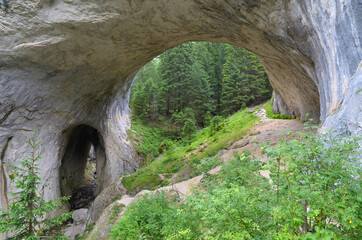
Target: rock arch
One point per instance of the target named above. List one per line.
(72, 171)
(63, 63)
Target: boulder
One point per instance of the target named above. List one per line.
(239, 144)
(73, 231)
(80, 215)
(110, 194)
(229, 144)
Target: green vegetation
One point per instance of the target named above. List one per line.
(244, 80)
(313, 193)
(314, 187)
(268, 106)
(148, 138)
(26, 217)
(116, 210)
(208, 163)
(189, 128)
(207, 79)
(187, 88)
(174, 159)
(215, 124)
(316, 181)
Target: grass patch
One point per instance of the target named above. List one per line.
(173, 160)
(268, 106)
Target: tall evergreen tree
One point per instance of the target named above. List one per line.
(144, 94)
(174, 68)
(199, 92)
(244, 80)
(217, 51)
(211, 57)
(231, 97)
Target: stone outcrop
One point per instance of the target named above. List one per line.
(70, 63)
(347, 118)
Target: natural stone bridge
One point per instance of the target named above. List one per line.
(66, 67)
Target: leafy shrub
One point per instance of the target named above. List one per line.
(143, 218)
(157, 216)
(208, 163)
(317, 185)
(165, 145)
(215, 124)
(233, 203)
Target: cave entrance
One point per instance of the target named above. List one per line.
(82, 166)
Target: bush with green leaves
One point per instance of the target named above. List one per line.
(27, 214)
(142, 219)
(232, 203)
(208, 163)
(155, 216)
(215, 124)
(317, 186)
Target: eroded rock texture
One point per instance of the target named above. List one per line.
(69, 63)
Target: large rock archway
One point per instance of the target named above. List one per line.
(65, 63)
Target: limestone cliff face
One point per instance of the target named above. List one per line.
(67, 63)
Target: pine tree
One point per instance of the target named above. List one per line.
(26, 217)
(214, 71)
(179, 118)
(244, 80)
(231, 97)
(144, 94)
(137, 101)
(174, 68)
(199, 93)
(189, 128)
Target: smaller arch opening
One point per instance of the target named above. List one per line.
(81, 170)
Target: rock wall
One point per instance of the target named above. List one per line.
(65, 63)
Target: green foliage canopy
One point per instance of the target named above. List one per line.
(210, 78)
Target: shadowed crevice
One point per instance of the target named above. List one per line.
(75, 180)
